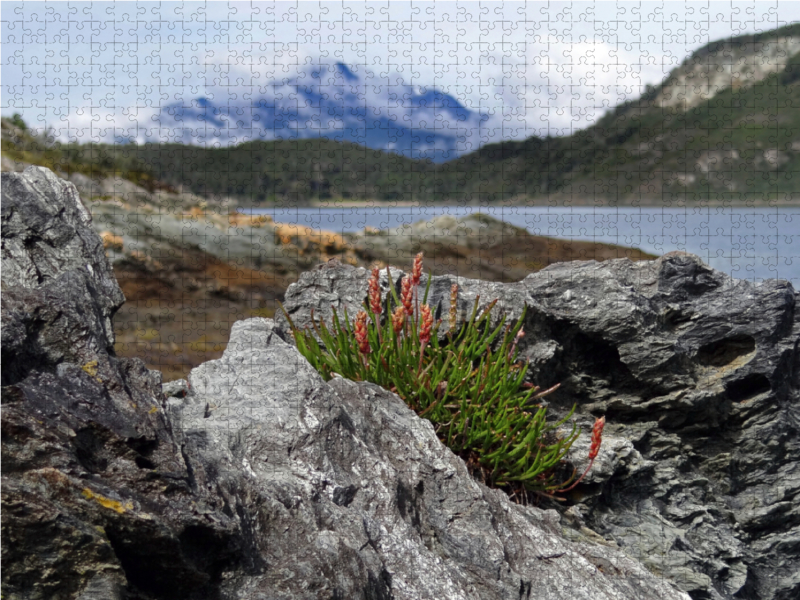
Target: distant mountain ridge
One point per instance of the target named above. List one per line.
(723, 127)
(334, 102)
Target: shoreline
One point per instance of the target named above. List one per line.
(531, 204)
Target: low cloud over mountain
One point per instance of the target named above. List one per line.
(337, 102)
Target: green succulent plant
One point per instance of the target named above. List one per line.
(469, 385)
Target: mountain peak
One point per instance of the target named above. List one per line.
(345, 72)
(334, 101)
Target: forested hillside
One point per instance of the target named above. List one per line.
(724, 126)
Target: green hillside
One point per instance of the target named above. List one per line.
(737, 146)
(741, 145)
(286, 171)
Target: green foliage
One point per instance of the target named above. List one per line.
(16, 121)
(288, 171)
(96, 161)
(469, 386)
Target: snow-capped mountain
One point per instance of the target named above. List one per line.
(337, 102)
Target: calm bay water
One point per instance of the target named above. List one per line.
(746, 243)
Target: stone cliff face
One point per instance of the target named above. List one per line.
(257, 479)
(736, 64)
(98, 498)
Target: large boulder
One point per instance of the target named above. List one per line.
(98, 499)
(698, 376)
(256, 479)
(349, 494)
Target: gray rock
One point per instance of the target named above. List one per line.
(256, 479)
(59, 293)
(698, 376)
(353, 496)
(175, 389)
(97, 498)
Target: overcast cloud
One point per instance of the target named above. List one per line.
(100, 71)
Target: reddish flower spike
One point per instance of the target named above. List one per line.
(427, 323)
(416, 271)
(398, 319)
(453, 305)
(597, 437)
(407, 296)
(361, 333)
(375, 293)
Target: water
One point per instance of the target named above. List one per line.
(746, 243)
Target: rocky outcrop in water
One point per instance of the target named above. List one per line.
(478, 245)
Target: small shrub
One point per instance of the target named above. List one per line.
(475, 397)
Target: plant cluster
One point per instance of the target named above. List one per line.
(469, 385)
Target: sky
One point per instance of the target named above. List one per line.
(99, 71)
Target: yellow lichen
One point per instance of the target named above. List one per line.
(91, 368)
(115, 242)
(153, 410)
(107, 502)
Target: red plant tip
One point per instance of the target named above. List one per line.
(361, 332)
(453, 305)
(398, 319)
(520, 334)
(427, 323)
(416, 272)
(407, 295)
(597, 437)
(375, 292)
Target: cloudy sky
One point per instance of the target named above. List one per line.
(103, 71)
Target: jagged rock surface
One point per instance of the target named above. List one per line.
(98, 499)
(351, 495)
(258, 480)
(698, 376)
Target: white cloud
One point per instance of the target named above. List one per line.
(532, 68)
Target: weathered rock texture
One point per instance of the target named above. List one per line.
(258, 481)
(98, 501)
(698, 376)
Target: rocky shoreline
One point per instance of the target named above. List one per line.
(190, 268)
(254, 478)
